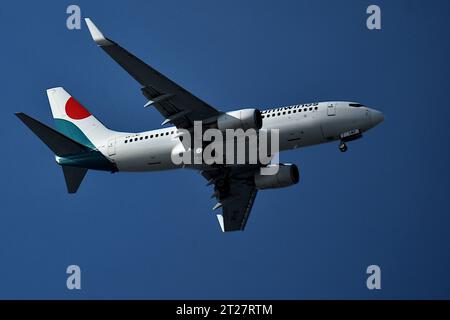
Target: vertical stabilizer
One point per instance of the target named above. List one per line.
(75, 121)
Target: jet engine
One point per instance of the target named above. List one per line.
(240, 119)
(287, 175)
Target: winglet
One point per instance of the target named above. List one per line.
(96, 34)
(220, 218)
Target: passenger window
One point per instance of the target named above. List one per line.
(156, 135)
(151, 136)
(141, 138)
(135, 139)
(146, 137)
(126, 141)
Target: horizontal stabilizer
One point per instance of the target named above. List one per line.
(73, 176)
(56, 141)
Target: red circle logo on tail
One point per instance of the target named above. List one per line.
(75, 110)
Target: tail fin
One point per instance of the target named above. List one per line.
(75, 121)
(61, 146)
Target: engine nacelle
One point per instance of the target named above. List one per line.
(287, 175)
(240, 119)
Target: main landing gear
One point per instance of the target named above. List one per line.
(343, 146)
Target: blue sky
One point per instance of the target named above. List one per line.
(154, 236)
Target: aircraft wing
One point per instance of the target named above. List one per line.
(177, 105)
(235, 196)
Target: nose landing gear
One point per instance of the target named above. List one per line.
(351, 135)
(343, 146)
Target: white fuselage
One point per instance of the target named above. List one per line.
(298, 125)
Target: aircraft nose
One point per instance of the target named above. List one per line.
(376, 116)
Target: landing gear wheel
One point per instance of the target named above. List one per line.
(343, 147)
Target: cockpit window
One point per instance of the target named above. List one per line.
(356, 105)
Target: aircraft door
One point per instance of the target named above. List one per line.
(112, 147)
(331, 109)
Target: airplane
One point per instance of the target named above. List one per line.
(81, 142)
